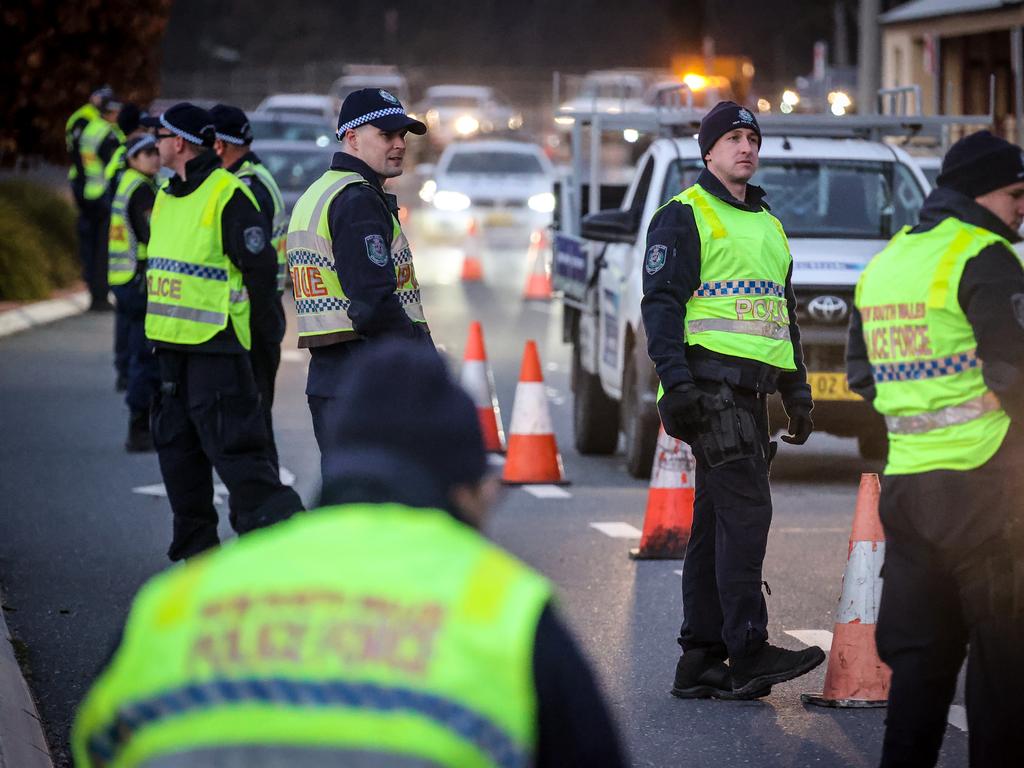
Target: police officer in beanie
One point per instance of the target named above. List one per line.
(937, 345)
(720, 316)
(351, 264)
(233, 146)
(212, 279)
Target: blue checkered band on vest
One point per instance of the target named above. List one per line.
(309, 259)
(192, 270)
(184, 134)
(740, 288)
(356, 122)
(485, 735)
(327, 304)
(926, 369)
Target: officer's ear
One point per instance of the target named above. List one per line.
(350, 139)
(219, 147)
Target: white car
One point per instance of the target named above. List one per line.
(497, 183)
(386, 79)
(609, 91)
(930, 166)
(464, 111)
(318, 105)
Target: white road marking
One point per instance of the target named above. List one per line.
(810, 530)
(551, 366)
(679, 572)
(618, 530)
(220, 491)
(819, 637)
(958, 717)
(495, 460)
(547, 492)
(294, 356)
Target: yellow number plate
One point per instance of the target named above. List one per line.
(499, 219)
(830, 386)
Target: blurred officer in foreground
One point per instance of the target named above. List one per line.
(382, 629)
(937, 345)
(720, 316)
(212, 284)
(234, 136)
(126, 273)
(97, 145)
(350, 262)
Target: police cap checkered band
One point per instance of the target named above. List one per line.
(231, 124)
(182, 132)
(186, 120)
(368, 118)
(378, 107)
(140, 143)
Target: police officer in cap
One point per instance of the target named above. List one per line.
(937, 345)
(351, 265)
(234, 139)
(720, 316)
(212, 278)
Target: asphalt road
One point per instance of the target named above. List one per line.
(76, 541)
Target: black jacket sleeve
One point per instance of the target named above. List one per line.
(108, 148)
(858, 367)
(991, 294)
(793, 385)
(139, 209)
(247, 244)
(668, 287)
(263, 199)
(574, 725)
(360, 224)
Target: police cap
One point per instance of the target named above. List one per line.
(186, 120)
(379, 108)
(231, 124)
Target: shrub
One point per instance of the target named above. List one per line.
(38, 243)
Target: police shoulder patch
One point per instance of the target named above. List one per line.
(376, 249)
(255, 239)
(656, 256)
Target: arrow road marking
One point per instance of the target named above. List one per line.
(220, 491)
(819, 637)
(617, 530)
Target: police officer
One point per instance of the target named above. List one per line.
(234, 137)
(321, 642)
(720, 316)
(211, 276)
(126, 272)
(937, 345)
(352, 269)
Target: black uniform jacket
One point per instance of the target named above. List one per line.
(991, 294)
(264, 199)
(664, 306)
(140, 205)
(357, 216)
(258, 267)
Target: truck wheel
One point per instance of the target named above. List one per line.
(595, 416)
(639, 425)
(873, 446)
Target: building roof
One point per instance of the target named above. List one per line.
(929, 9)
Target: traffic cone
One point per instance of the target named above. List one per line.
(538, 282)
(478, 380)
(472, 269)
(533, 455)
(669, 514)
(856, 677)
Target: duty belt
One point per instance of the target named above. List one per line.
(765, 328)
(944, 417)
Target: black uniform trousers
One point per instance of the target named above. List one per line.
(207, 415)
(953, 585)
(140, 366)
(328, 367)
(93, 239)
(266, 359)
(723, 607)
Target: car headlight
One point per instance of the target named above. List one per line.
(543, 202)
(446, 200)
(427, 190)
(466, 125)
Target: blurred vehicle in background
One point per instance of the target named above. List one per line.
(284, 126)
(606, 90)
(497, 183)
(930, 166)
(463, 111)
(314, 104)
(359, 76)
(294, 165)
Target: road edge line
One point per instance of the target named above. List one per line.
(44, 312)
(22, 741)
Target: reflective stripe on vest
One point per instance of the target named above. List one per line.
(320, 300)
(938, 410)
(194, 288)
(72, 139)
(124, 247)
(96, 178)
(279, 228)
(225, 657)
(739, 308)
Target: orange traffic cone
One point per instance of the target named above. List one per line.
(538, 283)
(472, 269)
(669, 514)
(533, 455)
(856, 677)
(478, 380)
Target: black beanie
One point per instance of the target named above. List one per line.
(128, 119)
(725, 116)
(981, 163)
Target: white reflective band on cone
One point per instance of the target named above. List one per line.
(674, 465)
(474, 381)
(530, 416)
(862, 584)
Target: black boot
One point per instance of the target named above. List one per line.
(702, 674)
(771, 665)
(139, 438)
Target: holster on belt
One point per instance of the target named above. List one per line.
(730, 432)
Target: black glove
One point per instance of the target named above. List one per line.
(800, 424)
(682, 411)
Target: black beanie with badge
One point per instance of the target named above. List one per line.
(725, 116)
(981, 163)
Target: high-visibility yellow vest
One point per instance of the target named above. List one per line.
(739, 309)
(280, 217)
(923, 353)
(86, 112)
(342, 651)
(193, 286)
(96, 178)
(124, 247)
(320, 300)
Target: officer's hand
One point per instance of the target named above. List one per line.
(682, 411)
(800, 424)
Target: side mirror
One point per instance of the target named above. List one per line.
(614, 226)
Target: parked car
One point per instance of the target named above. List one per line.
(368, 76)
(930, 166)
(294, 165)
(315, 104)
(463, 111)
(284, 126)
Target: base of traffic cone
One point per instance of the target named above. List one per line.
(668, 540)
(537, 455)
(819, 700)
(472, 271)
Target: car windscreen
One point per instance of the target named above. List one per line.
(467, 102)
(293, 110)
(294, 169)
(494, 163)
(827, 198)
(286, 130)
